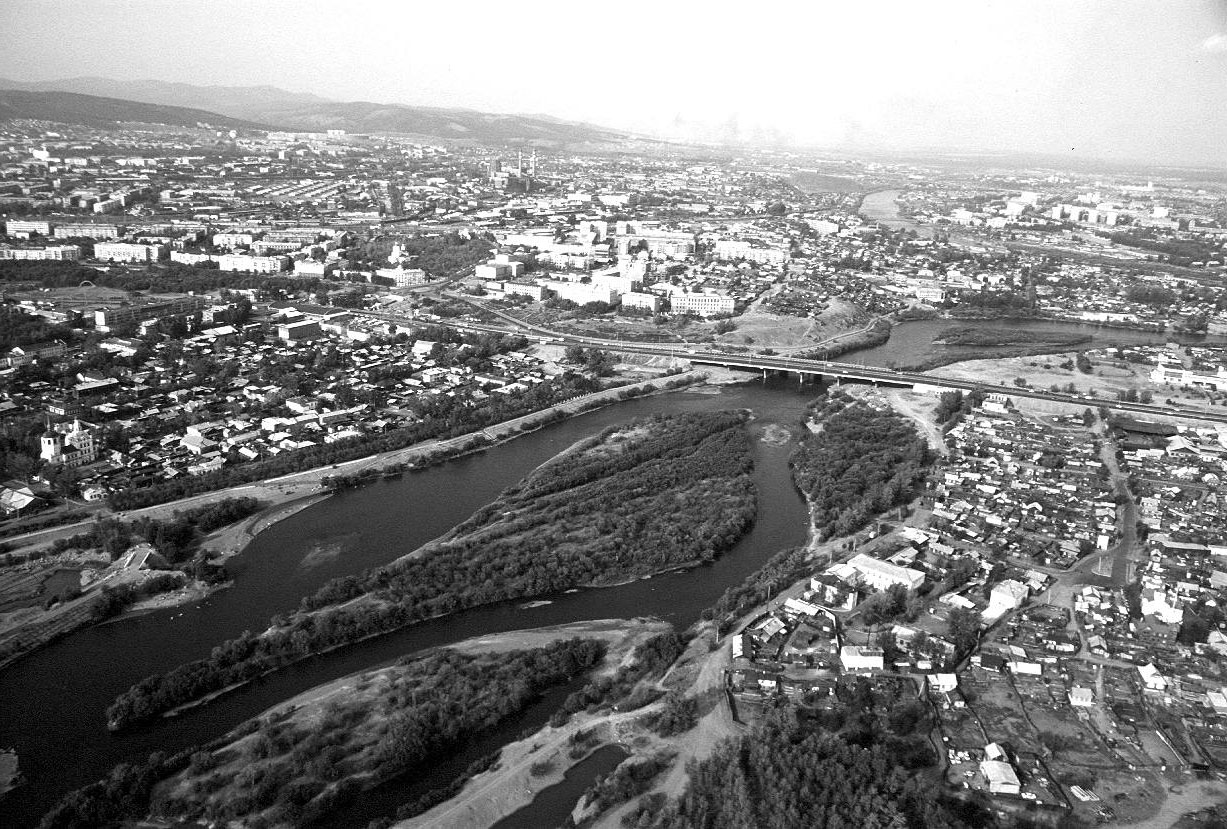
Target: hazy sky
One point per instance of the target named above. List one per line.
(1101, 78)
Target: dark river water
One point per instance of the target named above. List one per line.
(52, 703)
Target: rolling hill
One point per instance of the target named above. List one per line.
(92, 110)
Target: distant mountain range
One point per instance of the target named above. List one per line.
(93, 100)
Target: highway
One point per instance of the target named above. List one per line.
(801, 366)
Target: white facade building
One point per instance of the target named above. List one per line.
(881, 575)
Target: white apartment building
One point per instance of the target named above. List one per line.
(737, 249)
(185, 258)
(881, 575)
(404, 277)
(87, 230)
(649, 302)
(233, 240)
(253, 264)
(582, 293)
(56, 252)
(705, 305)
(127, 252)
(15, 226)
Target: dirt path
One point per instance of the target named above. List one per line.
(919, 407)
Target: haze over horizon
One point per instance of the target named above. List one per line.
(1126, 81)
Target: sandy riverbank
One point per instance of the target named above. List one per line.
(542, 759)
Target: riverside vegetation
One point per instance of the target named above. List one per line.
(292, 768)
(661, 493)
(862, 462)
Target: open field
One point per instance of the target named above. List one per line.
(1047, 370)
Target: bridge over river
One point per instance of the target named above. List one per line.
(805, 367)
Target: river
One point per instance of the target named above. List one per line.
(53, 701)
(911, 343)
(881, 207)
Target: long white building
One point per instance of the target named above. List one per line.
(881, 575)
(253, 264)
(56, 252)
(705, 305)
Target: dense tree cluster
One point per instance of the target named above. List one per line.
(447, 255)
(971, 335)
(175, 538)
(670, 491)
(294, 774)
(168, 278)
(952, 406)
(19, 328)
(1003, 303)
(789, 773)
(862, 462)
(122, 795)
(630, 778)
(680, 714)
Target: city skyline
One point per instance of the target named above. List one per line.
(1085, 81)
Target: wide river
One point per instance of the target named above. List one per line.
(52, 703)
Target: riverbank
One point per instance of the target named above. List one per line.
(353, 710)
(540, 760)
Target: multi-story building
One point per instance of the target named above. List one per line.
(300, 330)
(253, 264)
(20, 355)
(705, 305)
(633, 299)
(581, 293)
(108, 318)
(87, 230)
(881, 575)
(403, 277)
(15, 226)
(57, 252)
(310, 267)
(126, 252)
(736, 249)
(69, 444)
(1180, 376)
(185, 258)
(233, 240)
